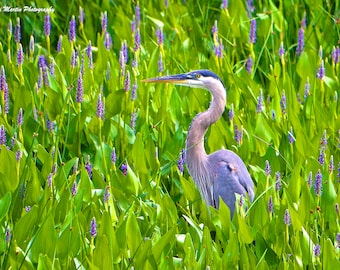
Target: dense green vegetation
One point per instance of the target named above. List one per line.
(90, 157)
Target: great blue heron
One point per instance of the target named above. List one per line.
(222, 173)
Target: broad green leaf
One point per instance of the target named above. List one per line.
(44, 241)
(26, 227)
(134, 237)
(8, 168)
(5, 203)
(167, 239)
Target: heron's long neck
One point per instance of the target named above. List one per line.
(196, 156)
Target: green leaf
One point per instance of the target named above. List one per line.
(25, 228)
(5, 203)
(44, 241)
(138, 153)
(8, 168)
(134, 237)
(167, 239)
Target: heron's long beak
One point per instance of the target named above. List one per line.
(176, 79)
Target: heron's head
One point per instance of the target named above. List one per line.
(196, 79)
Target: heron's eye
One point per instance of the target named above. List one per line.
(197, 76)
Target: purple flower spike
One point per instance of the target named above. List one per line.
(238, 134)
(89, 54)
(224, 4)
(107, 194)
(301, 42)
(74, 189)
(321, 157)
(73, 59)
(317, 250)
(214, 30)
(93, 228)
(291, 137)
(80, 90)
(17, 31)
(133, 26)
(321, 72)
(104, 22)
(59, 44)
(20, 118)
(6, 99)
(3, 81)
(50, 125)
(75, 166)
(277, 181)
(51, 67)
(72, 31)
(180, 162)
(135, 62)
(47, 25)
(270, 205)
(124, 168)
(20, 55)
(336, 55)
(113, 156)
(3, 139)
(18, 155)
(81, 16)
(337, 239)
(88, 168)
(281, 50)
(160, 36)
(134, 91)
(42, 61)
(318, 183)
(108, 41)
(250, 8)
(127, 82)
(252, 34)
(283, 103)
(310, 179)
(286, 218)
(100, 107)
(137, 40)
(133, 120)
(249, 65)
(49, 180)
(218, 49)
(231, 112)
(323, 140)
(259, 107)
(31, 45)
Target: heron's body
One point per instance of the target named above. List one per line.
(222, 173)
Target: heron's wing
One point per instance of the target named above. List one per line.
(229, 176)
